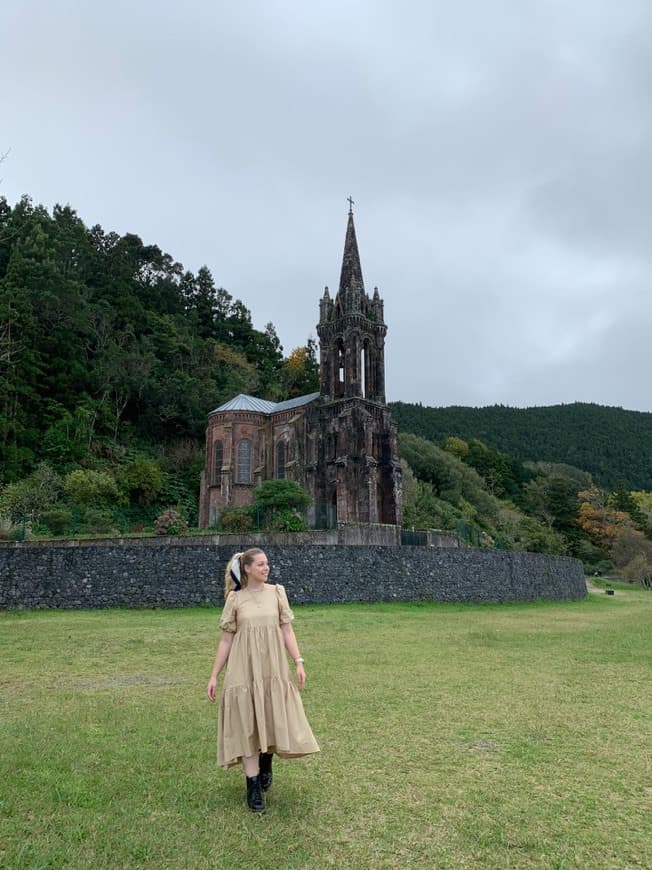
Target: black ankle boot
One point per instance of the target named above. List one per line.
(255, 799)
(265, 765)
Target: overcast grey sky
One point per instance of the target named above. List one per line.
(498, 153)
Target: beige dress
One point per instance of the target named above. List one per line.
(260, 706)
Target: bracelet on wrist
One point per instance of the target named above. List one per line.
(298, 660)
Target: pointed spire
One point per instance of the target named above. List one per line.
(351, 275)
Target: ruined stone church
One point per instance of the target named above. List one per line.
(340, 444)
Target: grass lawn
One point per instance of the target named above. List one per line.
(451, 736)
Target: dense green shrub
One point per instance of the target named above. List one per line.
(95, 521)
(236, 520)
(88, 487)
(141, 480)
(37, 492)
(281, 495)
(278, 505)
(287, 521)
(57, 521)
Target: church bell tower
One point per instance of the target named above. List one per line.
(352, 333)
(355, 476)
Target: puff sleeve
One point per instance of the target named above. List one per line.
(285, 615)
(229, 618)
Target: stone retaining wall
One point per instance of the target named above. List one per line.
(174, 572)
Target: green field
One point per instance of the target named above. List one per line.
(451, 736)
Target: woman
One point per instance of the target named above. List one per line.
(260, 708)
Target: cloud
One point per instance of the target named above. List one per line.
(498, 154)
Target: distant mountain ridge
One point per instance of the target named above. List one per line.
(613, 444)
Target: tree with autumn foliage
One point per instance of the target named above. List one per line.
(300, 374)
(615, 533)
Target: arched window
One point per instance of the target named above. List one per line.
(280, 459)
(243, 468)
(218, 454)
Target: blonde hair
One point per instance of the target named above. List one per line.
(237, 563)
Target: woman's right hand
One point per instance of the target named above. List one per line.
(211, 689)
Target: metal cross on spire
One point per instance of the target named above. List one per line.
(351, 204)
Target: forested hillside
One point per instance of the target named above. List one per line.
(570, 479)
(112, 354)
(614, 445)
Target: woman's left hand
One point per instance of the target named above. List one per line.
(301, 675)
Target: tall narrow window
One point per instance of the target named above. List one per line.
(332, 510)
(243, 470)
(280, 459)
(339, 387)
(218, 453)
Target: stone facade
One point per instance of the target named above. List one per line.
(178, 572)
(340, 444)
